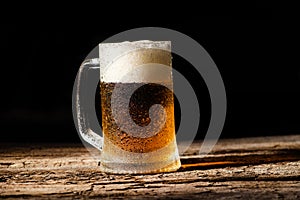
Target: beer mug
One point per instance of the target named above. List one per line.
(136, 89)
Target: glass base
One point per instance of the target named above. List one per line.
(117, 161)
(141, 168)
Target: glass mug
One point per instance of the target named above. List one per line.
(137, 104)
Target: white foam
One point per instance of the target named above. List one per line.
(113, 71)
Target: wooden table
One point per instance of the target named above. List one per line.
(249, 168)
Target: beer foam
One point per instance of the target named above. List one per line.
(130, 61)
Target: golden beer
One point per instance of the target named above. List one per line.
(140, 102)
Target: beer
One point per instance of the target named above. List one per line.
(137, 107)
(146, 95)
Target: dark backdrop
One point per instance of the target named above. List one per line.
(42, 49)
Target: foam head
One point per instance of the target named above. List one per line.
(139, 61)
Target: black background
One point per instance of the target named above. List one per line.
(42, 49)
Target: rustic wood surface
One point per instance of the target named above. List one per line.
(249, 168)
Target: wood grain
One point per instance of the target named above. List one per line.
(248, 168)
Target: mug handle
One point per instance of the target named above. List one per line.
(84, 103)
